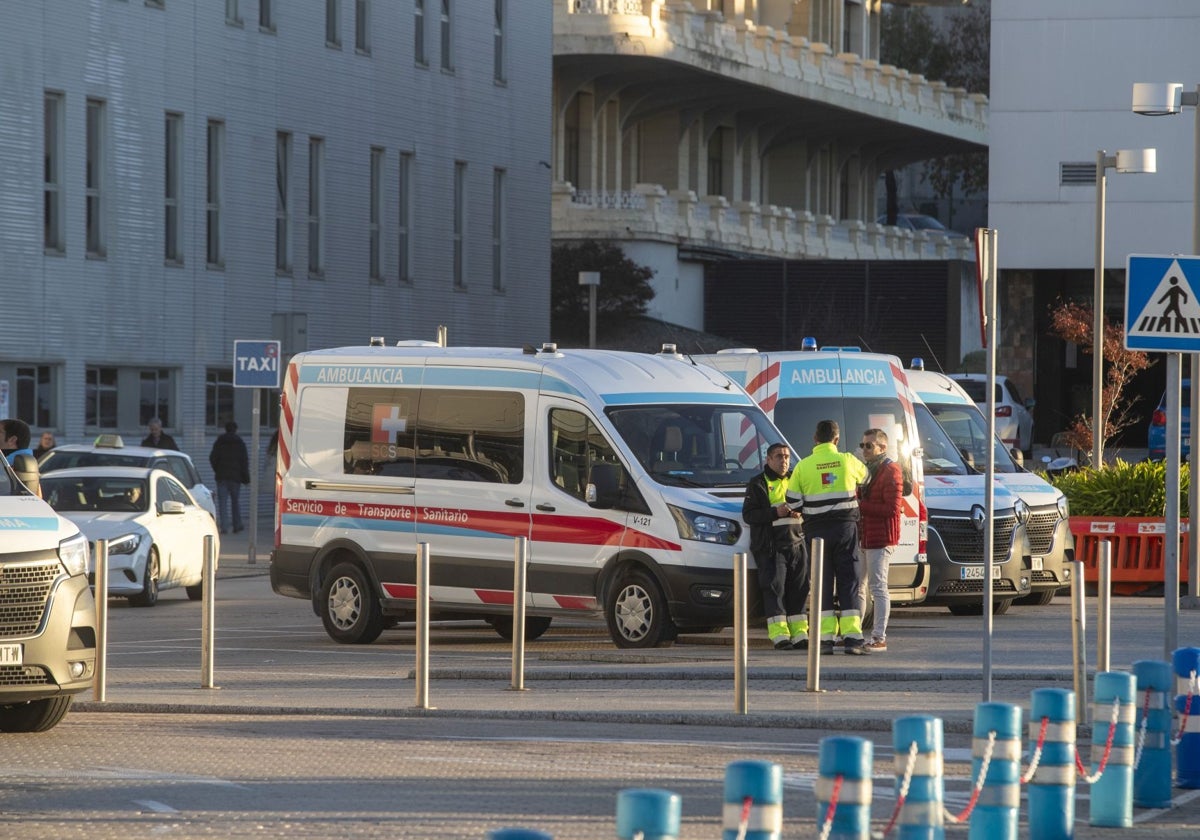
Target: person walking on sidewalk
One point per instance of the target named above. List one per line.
(880, 499)
(231, 468)
(823, 486)
(777, 543)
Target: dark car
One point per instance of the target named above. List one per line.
(1156, 437)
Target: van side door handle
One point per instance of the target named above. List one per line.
(514, 503)
(547, 508)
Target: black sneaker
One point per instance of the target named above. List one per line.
(855, 647)
(802, 644)
(783, 644)
(826, 648)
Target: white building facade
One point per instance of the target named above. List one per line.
(179, 174)
(1061, 90)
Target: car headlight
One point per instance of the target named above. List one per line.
(73, 554)
(1064, 507)
(127, 544)
(1021, 510)
(704, 527)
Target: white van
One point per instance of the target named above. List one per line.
(860, 391)
(1051, 544)
(47, 615)
(625, 471)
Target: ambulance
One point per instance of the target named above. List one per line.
(1051, 544)
(47, 614)
(940, 559)
(624, 471)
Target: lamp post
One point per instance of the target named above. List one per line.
(1125, 160)
(591, 279)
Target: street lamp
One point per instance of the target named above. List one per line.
(591, 279)
(1125, 160)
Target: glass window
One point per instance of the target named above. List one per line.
(941, 454)
(213, 195)
(94, 178)
(362, 24)
(460, 224)
(333, 23)
(172, 189)
(218, 397)
(498, 229)
(266, 15)
(447, 37)
(498, 54)
(797, 418)
(100, 398)
(316, 206)
(52, 157)
(155, 395)
(36, 396)
(232, 13)
(404, 221)
(375, 216)
(283, 218)
(419, 32)
(966, 427)
(576, 445)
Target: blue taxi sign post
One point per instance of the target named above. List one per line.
(255, 365)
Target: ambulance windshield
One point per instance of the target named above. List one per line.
(797, 418)
(941, 455)
(964, 424)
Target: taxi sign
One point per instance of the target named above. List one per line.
(1162, 312)
(256, 364)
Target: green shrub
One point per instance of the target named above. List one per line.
(1121, 489)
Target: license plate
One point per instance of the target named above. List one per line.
(12, 655)
(1037, 564)
(976, 572)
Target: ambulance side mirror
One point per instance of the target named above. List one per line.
(604, 486)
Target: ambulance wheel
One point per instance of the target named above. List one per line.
(999, 607)
(636, 611)
(1038, 599)
(349, 609)
(535, 626)
(35, 715)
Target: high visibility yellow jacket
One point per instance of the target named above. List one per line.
(824, 484)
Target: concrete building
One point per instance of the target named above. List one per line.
(1062, 77)
(178, 174)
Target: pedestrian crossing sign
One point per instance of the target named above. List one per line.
(1162, 313)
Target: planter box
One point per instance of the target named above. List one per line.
(1137, 550)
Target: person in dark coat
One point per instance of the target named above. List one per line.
(157, 437)
(231, 468)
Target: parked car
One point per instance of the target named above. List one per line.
(1014, 422)
(154, 529)
(921, 222)
(111, 451)
(1156, 437)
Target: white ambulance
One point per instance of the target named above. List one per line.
(625, 471)
(1051, 544)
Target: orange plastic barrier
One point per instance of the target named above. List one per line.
(1137, 550)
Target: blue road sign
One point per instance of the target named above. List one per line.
(1162, 313)
(256, 364)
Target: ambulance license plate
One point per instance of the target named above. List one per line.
(12, 655)
(976, 572)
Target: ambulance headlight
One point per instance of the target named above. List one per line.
(73, 553)
(1064, 507)
(704, 527)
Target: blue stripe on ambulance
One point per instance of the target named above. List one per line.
(28, 523)
(305, 520)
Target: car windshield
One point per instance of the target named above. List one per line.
(797, 418)
(96, 494)
(926, 223)
(60, 459)
(977, 390)
(940, 454)
(964, 424)
(696, 445)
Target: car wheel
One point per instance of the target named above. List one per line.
(535, 626)
(1037, 599)
(349, 609)
(1000, 606)
(636, 611)
(195, 592)
(148, 597)
(34, 716)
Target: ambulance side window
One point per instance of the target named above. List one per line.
(380, 430)
(576, 445)
(471, 435)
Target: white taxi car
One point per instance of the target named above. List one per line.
(154, 529)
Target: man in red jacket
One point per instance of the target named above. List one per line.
(880, 499)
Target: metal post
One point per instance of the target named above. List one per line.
(1098, 424)
(252, 525)
(1192, 601)
(442, 335)
(422, 672)
(989, 486)
(1171, 539)
(520, 565)
(816, 553)
(100, 567)
(208, 611)
(592, 317)
(1079, 641)
(739, 634)
(1104, 607)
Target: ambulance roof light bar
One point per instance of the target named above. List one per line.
(917, 363)
(808, 344)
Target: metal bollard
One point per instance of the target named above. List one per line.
(816, 579)
(648, 814)
(1186, 663)
(520, 571)
(753, 799)
(100, 570)
(917, 741)
(843, 788)
(741, 642)
(519, 834)
(421, 676)
(208, 614)
(1152, 768)
(1112, 793)
(996, 812)
(1052, 788)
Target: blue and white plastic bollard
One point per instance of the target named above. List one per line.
(1152, 767)
(1112, 793)
(921, 815)
(651, 813)
(761, 783)
(852, 759)
(1186, 662)
(519, 834)
(997, 809)
(1052, 788)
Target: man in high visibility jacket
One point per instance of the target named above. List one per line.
(824, 486)
(777, 543)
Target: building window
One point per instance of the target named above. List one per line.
(94, 178)
(460, 223)
(404, 222)
(447, 35)
(498, 229)
(283, 220)
(155, 398)
(54, 235)
(316, 202)
(362, 23)
(233, 15)
(333, 23)
(37, 396)
(172, 187)
(214, 248)
(218, 397)
(419, 32)
(266, 15)
(100, 400)
(498, 50)
(375, 226)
